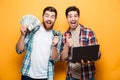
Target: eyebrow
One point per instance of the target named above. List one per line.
(71, 14)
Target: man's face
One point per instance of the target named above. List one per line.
(49, 20)
(73, 19)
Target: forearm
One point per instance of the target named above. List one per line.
(64, 53)
(54, 55)
(20, 43)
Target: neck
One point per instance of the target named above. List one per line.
(75, 28)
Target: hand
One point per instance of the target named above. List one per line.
(69, 41)
(23, 29)
(55, 41)
(83, 62)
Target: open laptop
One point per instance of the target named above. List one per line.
(85, 53)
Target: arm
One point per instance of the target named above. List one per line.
(54, 55)
(66, 48)
(64, 53)
(91, 41)
(20, 44)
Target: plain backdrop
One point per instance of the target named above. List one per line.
(102, 16)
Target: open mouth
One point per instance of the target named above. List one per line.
(73, 23)
(49, 22)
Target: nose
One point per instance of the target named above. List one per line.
(73, 18)
(48, 18)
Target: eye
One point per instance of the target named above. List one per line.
(76, 16)
(69, 16)
(53, 16)
(46, 15)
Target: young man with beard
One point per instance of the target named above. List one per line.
(42, 48)
(77, 35)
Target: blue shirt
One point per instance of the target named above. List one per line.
(29, 46)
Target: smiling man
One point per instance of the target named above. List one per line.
(42, 48)
(77, 35)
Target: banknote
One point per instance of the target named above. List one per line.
(30, 20)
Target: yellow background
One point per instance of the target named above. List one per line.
(102, 16)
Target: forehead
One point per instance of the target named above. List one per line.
(49, 13)
(72, 13)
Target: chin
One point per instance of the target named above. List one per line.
(73, 27)
(48, 27)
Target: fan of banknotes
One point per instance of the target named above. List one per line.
(30, 20)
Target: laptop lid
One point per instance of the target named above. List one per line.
(86, 53)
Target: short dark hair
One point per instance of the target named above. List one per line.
(72, 8)
(51, 9)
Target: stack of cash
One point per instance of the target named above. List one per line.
(30, 20)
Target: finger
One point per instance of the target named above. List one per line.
(77, 63)
(23, 30)
(88, 62)
(25, 26)
(55, 41)
(82, 62)
(70, 42)
(55, 37)
(67, 36)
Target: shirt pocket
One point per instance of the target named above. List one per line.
(84, 41)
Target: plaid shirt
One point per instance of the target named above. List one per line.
(86, 37)
(27, 59)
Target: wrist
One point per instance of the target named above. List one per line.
(22, 35)
(54, 45)
(66, 46)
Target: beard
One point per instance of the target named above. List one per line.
(48, 27)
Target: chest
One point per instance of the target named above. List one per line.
(81, 38)
(43, 38)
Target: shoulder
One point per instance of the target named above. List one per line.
(86, 29)
(56, 33)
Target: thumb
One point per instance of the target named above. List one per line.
(67, 38)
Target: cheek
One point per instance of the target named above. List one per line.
(44, 19)
(68, 20)
(77, 19)
(53, 20)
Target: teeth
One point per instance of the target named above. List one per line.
(73, 22)
(48, 22)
